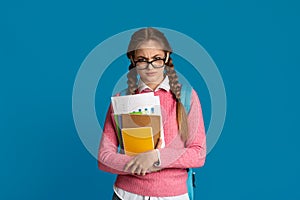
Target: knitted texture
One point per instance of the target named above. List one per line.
(175, 157)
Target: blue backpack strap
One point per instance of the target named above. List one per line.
(190, 183)
(185, 96)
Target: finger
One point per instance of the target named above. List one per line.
(134, 168)
(143, 172)
(139, 170)
(129, 165)
(158, 145)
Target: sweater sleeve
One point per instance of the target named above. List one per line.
(194, 153)
(109, 159)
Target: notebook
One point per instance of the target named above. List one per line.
(137, 140)
(138, 120)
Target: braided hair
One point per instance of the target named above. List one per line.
(137, 39)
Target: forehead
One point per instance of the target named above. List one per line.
(149, 48)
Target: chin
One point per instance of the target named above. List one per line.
(152, 80)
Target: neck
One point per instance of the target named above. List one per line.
(153, 86)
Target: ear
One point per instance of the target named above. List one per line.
(167, 57)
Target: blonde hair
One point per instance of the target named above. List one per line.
(147, 34)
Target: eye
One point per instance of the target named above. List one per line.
(141, 60)
(157, 58)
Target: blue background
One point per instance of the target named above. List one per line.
(254, 44)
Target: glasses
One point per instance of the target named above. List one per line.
(144, 64)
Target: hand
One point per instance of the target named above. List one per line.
(154, 169)
(141, 163)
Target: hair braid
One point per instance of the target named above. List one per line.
(176, 90)
(131, 80)
(173, 79)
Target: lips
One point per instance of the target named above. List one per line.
(151, 73)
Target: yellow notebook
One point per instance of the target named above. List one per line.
(138, 121)
(137, 140)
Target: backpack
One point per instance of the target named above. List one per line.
(186, 93)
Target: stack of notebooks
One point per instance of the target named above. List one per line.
(137, 131)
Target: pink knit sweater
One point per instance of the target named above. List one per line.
(175, 157)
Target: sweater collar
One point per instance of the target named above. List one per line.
(163, 85)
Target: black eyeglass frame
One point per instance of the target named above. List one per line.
(150, 62)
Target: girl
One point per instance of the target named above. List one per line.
(159, 174)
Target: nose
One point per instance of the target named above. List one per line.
(149, 65)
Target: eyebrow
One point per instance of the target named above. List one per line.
(151, 57)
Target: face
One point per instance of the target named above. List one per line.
(150, 51)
